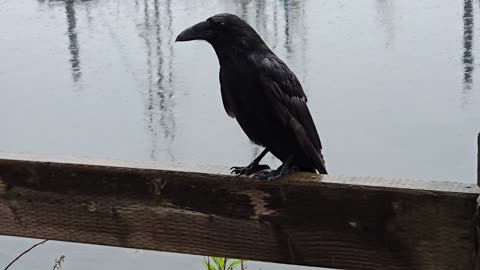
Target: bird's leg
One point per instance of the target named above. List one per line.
(284, 169)
(253, 167)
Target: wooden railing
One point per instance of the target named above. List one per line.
(303, 219)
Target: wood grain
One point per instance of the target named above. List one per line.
(304, 219)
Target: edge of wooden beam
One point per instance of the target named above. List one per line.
(305, 178)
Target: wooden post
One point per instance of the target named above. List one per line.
(357, 223)
(477, 214)
(478, 159)
(476, 254)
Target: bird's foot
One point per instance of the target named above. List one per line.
(272, 175)
(249, 170)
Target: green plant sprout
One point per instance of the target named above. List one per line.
(219, 263)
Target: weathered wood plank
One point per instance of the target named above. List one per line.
(338, 222)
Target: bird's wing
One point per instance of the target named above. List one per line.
(290, 103)
(227, 103)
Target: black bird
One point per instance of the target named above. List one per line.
(263, 94)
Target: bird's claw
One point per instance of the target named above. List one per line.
(237, 170)
(248, 170)
(272, 175)
(266, 175)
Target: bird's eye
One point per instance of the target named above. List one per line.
(218, 24)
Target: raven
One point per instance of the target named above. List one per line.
(264, 95)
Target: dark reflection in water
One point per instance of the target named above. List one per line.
(73, 46)
(294, 17)
(468, 64)
(158, 38)
(270, 18)
(288, 36)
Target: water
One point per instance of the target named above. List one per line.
(394, 88)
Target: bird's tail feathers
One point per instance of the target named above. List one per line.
(320, 164)
(308, 148)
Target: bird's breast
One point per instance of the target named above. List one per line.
(246, 100)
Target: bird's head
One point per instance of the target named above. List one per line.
(221, 30)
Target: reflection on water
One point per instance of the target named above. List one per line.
(73, 47)
(73, 40)
(136, 39)
(281, 24)
(468, 34)
(158, 37)
(283, 18)
(384, 79)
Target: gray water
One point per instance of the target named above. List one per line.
(393, 86)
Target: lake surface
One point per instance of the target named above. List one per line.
(393, 86)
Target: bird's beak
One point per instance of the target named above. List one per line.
(200, 31)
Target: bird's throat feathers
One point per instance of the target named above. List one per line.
(240, 50)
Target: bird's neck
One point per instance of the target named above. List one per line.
(240, 51)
